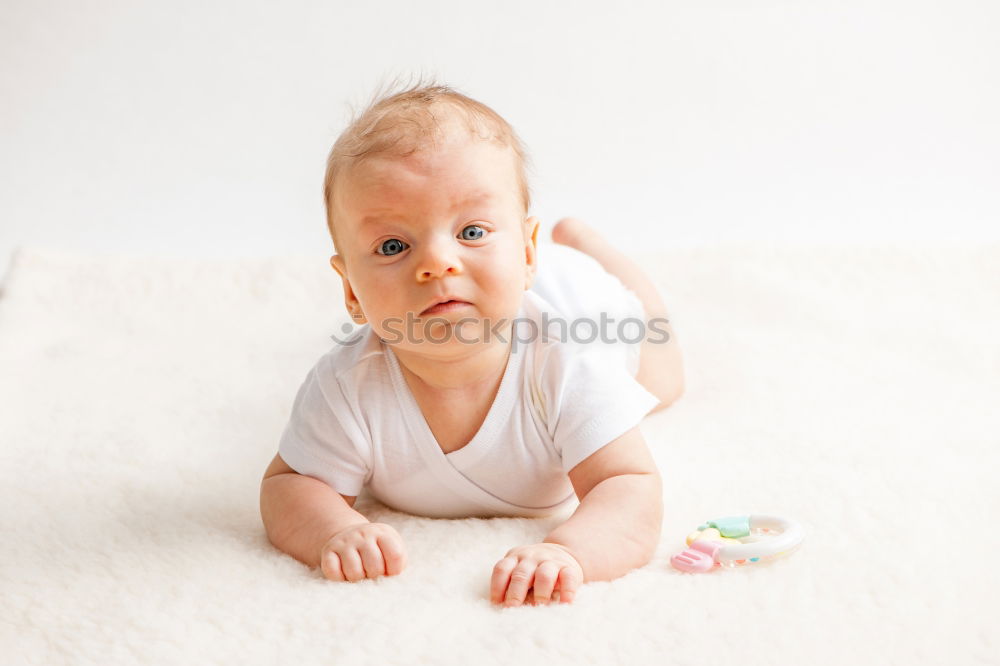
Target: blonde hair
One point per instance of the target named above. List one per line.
(403, 122)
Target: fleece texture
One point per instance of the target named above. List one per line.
(855, 389)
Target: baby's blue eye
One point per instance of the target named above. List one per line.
(391, 247)
(476, 232)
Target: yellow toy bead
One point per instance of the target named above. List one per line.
(709, 534)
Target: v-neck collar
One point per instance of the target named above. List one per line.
(496, 417)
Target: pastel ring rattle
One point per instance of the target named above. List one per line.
(737, 540)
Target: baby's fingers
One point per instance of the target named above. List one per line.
(500, 579)
(330, 564)
(569, 581)
(393, 554)
(350, 563)
(371, 559)
(520, 582)
(545, 581)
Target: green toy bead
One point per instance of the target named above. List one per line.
(732, 526)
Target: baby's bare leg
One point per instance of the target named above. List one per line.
(661, 370)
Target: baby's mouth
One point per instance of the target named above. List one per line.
(446, 306)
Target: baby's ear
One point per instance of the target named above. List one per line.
(351, 301)
(337, 262)
(530, 250)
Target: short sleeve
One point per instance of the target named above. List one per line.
(321, 439)
(596, 401)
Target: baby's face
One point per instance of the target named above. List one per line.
(443, 223)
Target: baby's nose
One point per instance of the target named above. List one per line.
(438, 260)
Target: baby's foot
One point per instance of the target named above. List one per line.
(575, 233)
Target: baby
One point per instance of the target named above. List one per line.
(456, 397)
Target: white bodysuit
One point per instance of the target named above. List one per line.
(355, 423)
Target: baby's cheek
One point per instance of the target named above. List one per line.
(507, 288)
(377, 301)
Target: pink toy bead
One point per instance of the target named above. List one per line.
(698, 558)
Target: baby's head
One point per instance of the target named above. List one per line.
(427, 200)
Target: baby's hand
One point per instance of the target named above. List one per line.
(541, 567)
(366, 550)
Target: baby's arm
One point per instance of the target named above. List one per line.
(316, 525)
(615, 529)
(617, 526)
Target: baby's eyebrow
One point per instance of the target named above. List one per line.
(474, 198)
(386, 215)
(371, 218)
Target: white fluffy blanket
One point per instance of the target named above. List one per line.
(854, 389)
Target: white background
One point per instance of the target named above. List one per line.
(201, 128)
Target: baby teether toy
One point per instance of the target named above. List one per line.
(737, 540)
